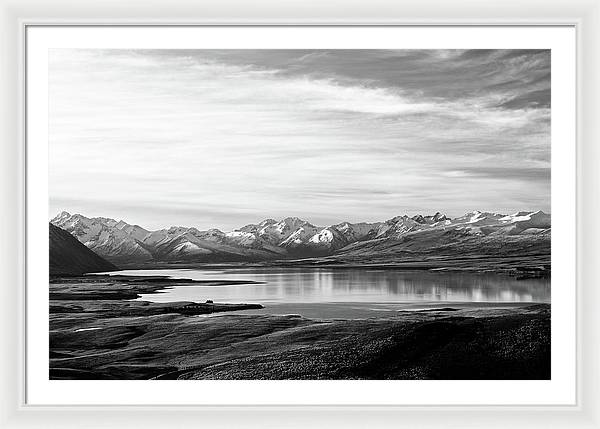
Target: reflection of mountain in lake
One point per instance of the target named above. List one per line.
(348, 285)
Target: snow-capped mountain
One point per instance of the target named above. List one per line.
(478, 218)
(357, 231)
(524, 221)
(430, 220)
(106, 237)
(473, 234)
(300, 235)
(277, 233)
(121, 242)
(398, 226)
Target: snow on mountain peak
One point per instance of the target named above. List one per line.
(524, 219)
(103, 236)
(324, 236)
(62, 215)
(418, 218)
(478, 217)
(300, 235)
(437, 217)
(118, 240)
(292, 221)
(289, 223)
(176, 230)
(475, 216)
(121, 224)
(429, 219)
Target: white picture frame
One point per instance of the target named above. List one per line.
(16, 17)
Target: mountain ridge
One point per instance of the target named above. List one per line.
(292, 237)
(68, 256)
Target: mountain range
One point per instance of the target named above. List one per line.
(474, 233)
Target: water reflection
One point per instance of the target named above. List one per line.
(349, 285)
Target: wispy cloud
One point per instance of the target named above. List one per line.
(229, 136)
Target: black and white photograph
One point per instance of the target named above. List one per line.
(299, 214)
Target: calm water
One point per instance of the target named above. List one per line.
(302, 285)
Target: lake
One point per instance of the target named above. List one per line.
(299, 289)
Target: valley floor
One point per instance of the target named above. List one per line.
(98, 332)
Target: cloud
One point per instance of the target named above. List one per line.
(329, 135)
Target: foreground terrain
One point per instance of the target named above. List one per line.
(97, 332)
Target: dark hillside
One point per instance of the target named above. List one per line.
(69, 256)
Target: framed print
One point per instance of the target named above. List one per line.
(269, 210)
(273, 217)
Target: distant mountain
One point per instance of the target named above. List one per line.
(438, 217)
(293, 237)
(115, 241)
(123, 243)
(69, 257)
(474, 234)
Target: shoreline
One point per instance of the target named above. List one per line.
(534, 265)
(96, 336)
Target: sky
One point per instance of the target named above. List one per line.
(224, 138)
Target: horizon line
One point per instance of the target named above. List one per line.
(295, 217)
